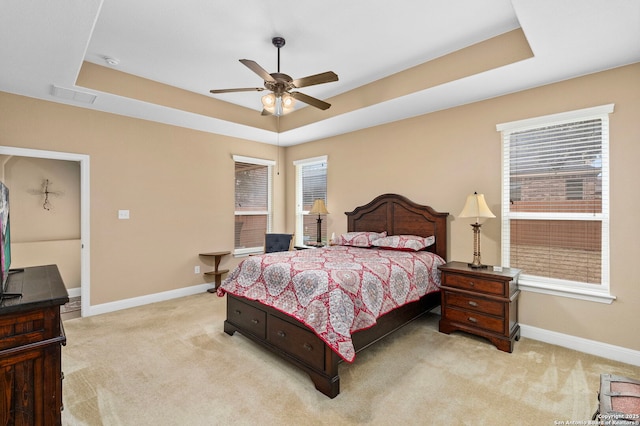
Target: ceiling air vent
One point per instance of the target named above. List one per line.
(72, 95)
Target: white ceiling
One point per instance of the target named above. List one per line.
(195, 45)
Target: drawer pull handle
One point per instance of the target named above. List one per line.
(255, 321)
(472, 303)
(472, 284)
(238, 312)
(308, 347)
(472, 319)
(281, 333)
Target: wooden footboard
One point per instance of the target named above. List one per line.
(296, 343)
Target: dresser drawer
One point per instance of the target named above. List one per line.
(20, 329)
(476, 284)
(477, 304)
(296, 341)
(475, 319)
(247, 317)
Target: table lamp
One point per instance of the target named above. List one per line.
(319, 208)
(476, 207)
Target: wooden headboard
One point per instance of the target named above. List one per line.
(400, 216)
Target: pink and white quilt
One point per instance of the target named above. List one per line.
(336, 290)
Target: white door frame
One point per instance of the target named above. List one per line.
(85, 251)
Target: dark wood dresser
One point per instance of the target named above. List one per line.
(481, 301)
(31, 336)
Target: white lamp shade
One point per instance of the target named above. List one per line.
(476, 207)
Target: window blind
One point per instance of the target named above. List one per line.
(311, 185)
(555, 200)
(252, 204)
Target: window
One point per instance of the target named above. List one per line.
(253, 182)
(555, 202)
(311, 184)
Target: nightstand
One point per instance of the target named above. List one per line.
(483, 302)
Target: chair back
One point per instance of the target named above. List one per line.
(277, 242)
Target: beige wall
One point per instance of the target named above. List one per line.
(63, 253)
(439, 158)
(40, 236)
(178, 185)
(25, 176)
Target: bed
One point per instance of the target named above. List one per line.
(290, 332)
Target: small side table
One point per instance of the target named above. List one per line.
(217, 273)
(483, 302)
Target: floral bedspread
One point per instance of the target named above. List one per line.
(336, 290)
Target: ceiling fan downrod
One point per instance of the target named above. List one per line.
(278, 42)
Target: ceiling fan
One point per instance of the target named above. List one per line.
(281, 99)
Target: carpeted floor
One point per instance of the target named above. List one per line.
(170, 363)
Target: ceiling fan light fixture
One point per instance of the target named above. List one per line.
(278, 104)
(288, 102)
(269, 101)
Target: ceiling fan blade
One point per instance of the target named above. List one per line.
(253, 66)
(245, 89)
(310, 100)
(324, 77)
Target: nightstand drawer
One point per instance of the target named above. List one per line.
(466, 282)
(475, 319)
(477, 304)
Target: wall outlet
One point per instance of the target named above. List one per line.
(196, 269)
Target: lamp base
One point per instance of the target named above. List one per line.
(319, 232)
(474, 266)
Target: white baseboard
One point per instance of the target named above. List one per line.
(605, 350)
(74, 292)
(145, 300)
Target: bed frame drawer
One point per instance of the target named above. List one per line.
(296, 341)
(246, 317)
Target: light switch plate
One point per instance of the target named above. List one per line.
(123, 214)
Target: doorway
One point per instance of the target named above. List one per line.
(83, 161)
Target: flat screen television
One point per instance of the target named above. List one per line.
(5, 243)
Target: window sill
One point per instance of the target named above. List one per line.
(572, 292)
(247, 252)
